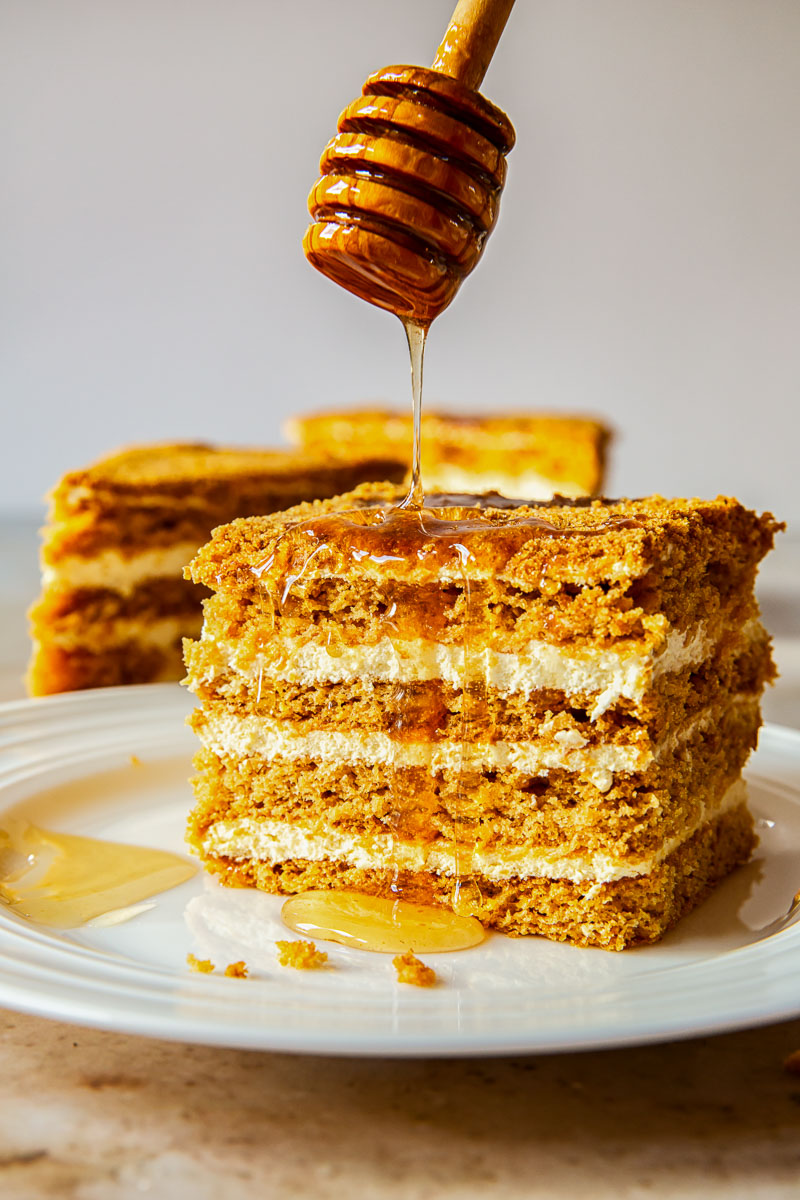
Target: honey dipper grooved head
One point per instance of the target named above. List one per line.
(409, 191)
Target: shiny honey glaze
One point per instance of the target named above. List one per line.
(445, 531)
(63, 880)
(377, 923)
(388, 923)
(438, 531)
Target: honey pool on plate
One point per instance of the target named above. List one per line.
(63, 880)
(380, 924)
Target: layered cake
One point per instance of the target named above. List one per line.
(541, 712)
(114, 606)
(531, 455)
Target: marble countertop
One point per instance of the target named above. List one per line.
(103, 1116)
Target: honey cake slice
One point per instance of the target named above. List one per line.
(535, 455)
(551, 702)
(114, 606)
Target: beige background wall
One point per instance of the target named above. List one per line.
(156, 159)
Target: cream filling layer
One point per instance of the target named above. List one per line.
(607, 675)
(528, 485)
(232, 736)
(159, 634)
(119, 572)
(247, 839)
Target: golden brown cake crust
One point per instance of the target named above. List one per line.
(54, 670)
(180, 468)
(433, 710)
(611, 915)
(148, 496)
(562, 542)
(343, 612)
(153, 499)
(329, 684)
(555, 812)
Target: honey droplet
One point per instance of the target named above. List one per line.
(466, 895)
(62, 880)
(334, 643)
(376, 923)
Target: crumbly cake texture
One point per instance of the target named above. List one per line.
(410, 970)
(534, 455)
(302, 956)
(114, 606)
(554, 700)
(203, 966)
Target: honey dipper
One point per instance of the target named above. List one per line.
(410, 185)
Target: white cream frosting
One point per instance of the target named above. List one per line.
(608, 675)
(248, 839)
(230, 735)
(119, 572)
(155, 634)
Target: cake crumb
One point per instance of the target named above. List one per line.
(792, 1063)
(411, 970)
(135, 760)
(237, 970)
(303, 956)
(203, 965)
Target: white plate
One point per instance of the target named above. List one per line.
(66, 764)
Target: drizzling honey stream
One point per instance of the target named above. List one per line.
(416, 336)
(410, 185)
(408, 195)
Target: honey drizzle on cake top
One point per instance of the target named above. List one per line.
(441, 530)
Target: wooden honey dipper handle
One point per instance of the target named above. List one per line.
(410, 185)
(471, 40)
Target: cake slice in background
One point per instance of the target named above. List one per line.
(114, 606)
(552, 704)
(535, 456)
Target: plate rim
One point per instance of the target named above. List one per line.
(142, 1009)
